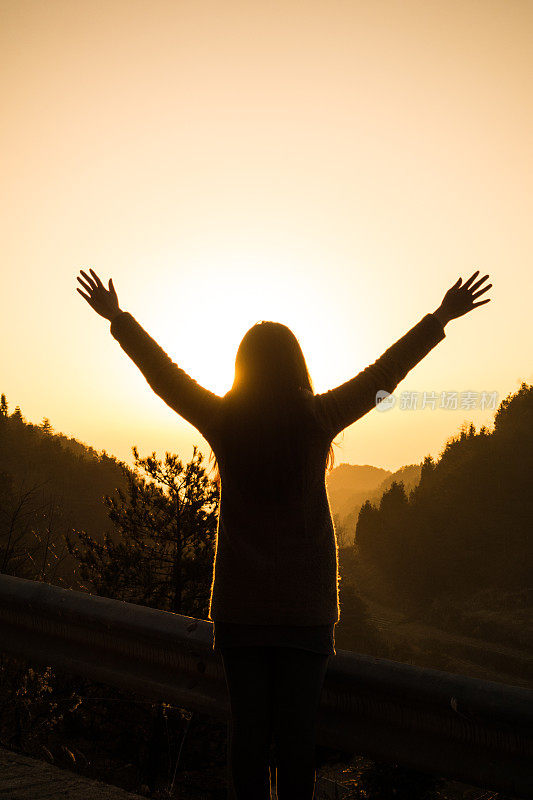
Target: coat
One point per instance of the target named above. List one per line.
(276, 560)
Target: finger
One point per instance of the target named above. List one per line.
(481, 302)
(111, 287)
(97, 279)
(88, 278)
(457, 283)
(476, 294)
(83, 295)
(89, 288)
(479, 282)
(471, 278)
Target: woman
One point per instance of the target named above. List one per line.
(274, 595)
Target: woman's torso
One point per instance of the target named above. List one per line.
(276, 560)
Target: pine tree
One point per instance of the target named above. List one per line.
(3, 406)
(17, 414)
(366, 531)
(163, 556)
(46, 427)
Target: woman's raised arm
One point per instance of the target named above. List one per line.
(184, 395)
(340, 407)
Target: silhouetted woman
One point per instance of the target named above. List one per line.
(274, 596)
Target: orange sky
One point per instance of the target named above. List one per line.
(331, 165)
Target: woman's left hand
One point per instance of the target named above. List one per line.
(459, 300)
(101, 300)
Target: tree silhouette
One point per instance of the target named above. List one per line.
(28, 521)
(164, 552)
(367, 531)
(465, 529)
(17, 414)
(45, 426)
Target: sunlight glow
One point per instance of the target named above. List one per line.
(226, 163)
(222, 294)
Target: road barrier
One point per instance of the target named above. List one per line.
(452, 726)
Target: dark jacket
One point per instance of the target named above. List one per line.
(276, 559)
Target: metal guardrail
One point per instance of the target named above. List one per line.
(479, 732)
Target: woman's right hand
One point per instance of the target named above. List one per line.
(101, 300)
(459, 299)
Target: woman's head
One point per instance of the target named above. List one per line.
(269, 358)
(271, 379)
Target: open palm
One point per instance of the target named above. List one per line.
(459, 299)
(103, 301)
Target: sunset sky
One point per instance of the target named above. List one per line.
(334, 166)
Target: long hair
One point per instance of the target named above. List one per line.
(271, 378)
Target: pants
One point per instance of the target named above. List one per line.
(274, 692)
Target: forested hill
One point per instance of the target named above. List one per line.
(347, 482)
(466, 527)
(52, 482)
(350, 485)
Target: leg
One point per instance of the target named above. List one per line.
(299, 676)
(249, 681)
